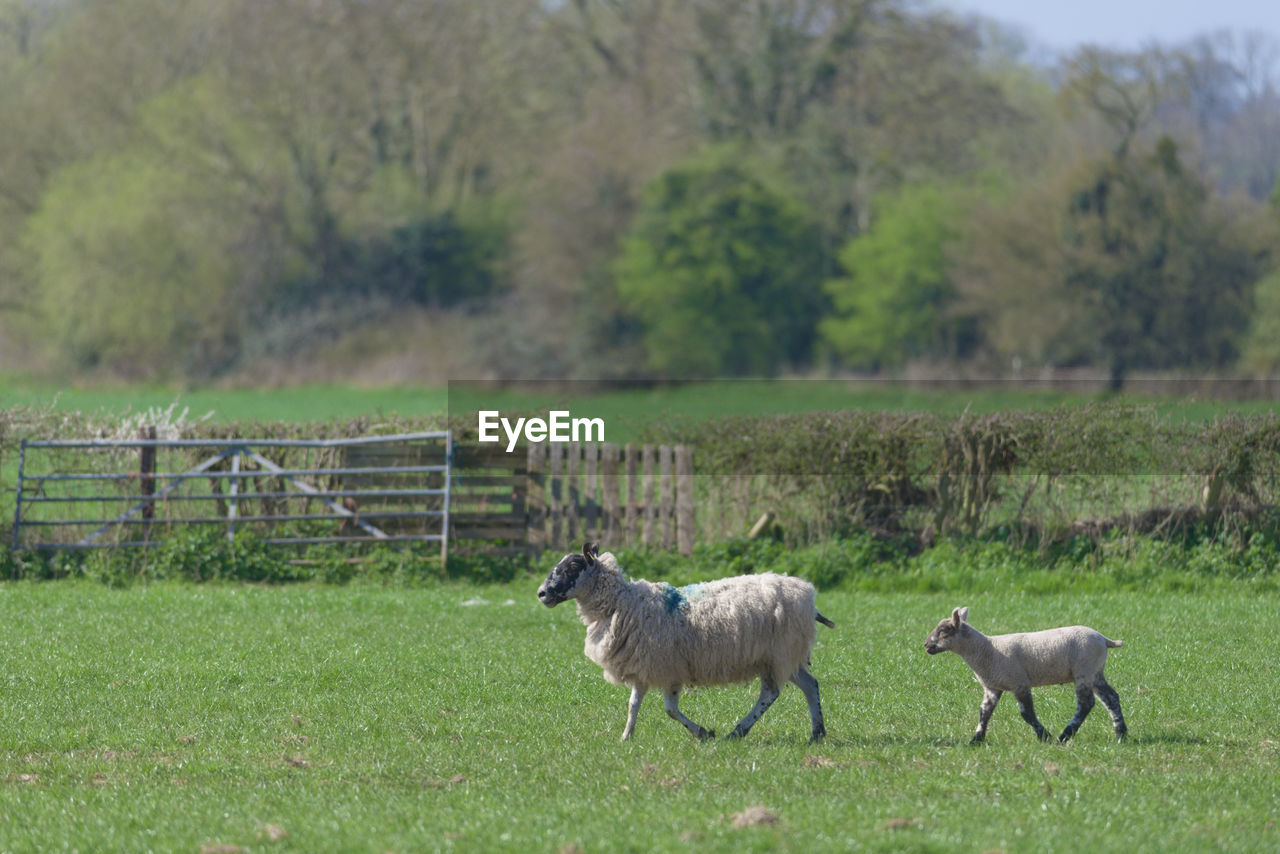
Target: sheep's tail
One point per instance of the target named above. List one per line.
(1112, 644)
(823, 620)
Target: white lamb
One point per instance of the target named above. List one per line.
(1020, 662)
(648, 635)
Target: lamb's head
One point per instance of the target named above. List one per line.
(944, 635)
(561, 581)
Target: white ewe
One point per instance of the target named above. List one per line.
(1020, 662)
(646, 635)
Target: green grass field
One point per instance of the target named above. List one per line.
(294, 403)
(626, 410)
(177, 717)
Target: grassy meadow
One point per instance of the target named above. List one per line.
(420, 716)
(177, 717)
(625, 410)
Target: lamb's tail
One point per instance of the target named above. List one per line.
(1112, 644)
(823, 620)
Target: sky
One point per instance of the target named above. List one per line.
(1124, 24)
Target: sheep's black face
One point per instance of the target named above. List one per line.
(561, 580)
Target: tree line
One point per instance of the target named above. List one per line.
(625, 188)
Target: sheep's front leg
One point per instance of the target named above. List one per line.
(989, 700)
(633, 710)
(1028, 710)
(1111, 700)
(671, 699)
(768, 693)
(804, 679)
(1084, 705)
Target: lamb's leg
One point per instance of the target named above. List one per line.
(1028, 709)
(768, 693)
(809, 686)
(1084, 705)
(989, 700)
(671, 699)
(1111, 700)
(633, 710)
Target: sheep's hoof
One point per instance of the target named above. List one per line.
(977, 740)
(706, 734)
(817, 737)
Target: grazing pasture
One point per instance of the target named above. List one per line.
(627, 409)
(179, 717)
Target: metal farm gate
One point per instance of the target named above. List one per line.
(91, 493)
(75, 494)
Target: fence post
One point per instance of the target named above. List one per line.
(609, 492)
(233, 489)
(684, 499)
(147, 478)
(535, 537)
(555, 461)
(590, 492)
(650, 504)
(630, 529)
(666, 499)
(573, 492)
(17, 504)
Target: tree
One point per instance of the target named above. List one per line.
(1156, 267)
(854, 97)
(130, 282)
(723, 271)
(894, 302)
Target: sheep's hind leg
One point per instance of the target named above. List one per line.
(633, 710)
(804, 679)
(989, 700)
(768, 693)
(1028, 709)
(1111, 700)
(671, 699)
(1084, 705)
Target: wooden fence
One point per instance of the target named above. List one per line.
(556, 496)
(617, 495)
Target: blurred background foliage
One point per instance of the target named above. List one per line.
(408, 190)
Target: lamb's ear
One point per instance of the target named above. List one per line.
(960, 615)
(590, 551)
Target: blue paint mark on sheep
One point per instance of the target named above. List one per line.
(693, 592)
(674, 599)
(678, 598)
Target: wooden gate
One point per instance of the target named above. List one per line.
(617, 495)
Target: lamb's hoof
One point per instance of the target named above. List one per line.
(817, 737)
(977, 740)
(1122, 736)
(1066, 736)
(706, 734)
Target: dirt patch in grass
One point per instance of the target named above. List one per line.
(754, 817)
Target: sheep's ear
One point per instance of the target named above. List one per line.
(590, 551)
(960, 615)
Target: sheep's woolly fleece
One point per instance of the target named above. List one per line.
(726, 628)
